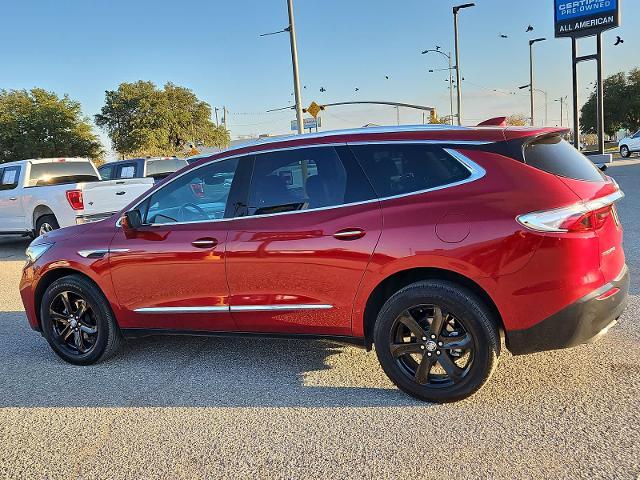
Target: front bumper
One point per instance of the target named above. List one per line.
(581, 322)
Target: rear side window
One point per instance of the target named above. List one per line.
(558, 157)
(9, 178)
(57, 173)
(397, 169)
(106, 172)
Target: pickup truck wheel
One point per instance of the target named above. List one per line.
(77, 321)
(624, 151)
(46, 223)
(436, 341)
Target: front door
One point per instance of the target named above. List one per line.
(170, 272)
(295, 261)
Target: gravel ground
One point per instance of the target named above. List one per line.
(229, 408)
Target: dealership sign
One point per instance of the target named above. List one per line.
(582, 18)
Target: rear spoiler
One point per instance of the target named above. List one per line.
(494, 122)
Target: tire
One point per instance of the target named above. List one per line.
(464, 321)
(624, 151)
(46, 223)
(95, 346)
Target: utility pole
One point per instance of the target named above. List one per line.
(294, 61)
(561, 100)
(531, 84)
(224, 118)
(216, 110)
(456, 9)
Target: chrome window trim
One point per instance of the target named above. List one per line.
(476, 170)
(234, 308)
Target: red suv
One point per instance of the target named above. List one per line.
(430, 243)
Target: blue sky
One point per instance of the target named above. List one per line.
(85, 47)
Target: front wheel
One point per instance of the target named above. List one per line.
(624, 151)
(77, 321)
(436, 341)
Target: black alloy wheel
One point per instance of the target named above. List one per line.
(437, 341)
(77, 321)
(75, 328)
(431, 346)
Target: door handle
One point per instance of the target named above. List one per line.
(120, 193)
(205, 243)
(13, 199)
(349, 234)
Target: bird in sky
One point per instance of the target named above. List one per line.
(530, 28)
(322, 89)
(618, 41)
(357, 89)
(502, 35)
(437, 47)
(387, 77)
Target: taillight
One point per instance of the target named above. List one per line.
(74, 197)
(580, 217)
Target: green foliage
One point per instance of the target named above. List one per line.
(39, 124)
(621, 105)
(518, 120)
(142, 120)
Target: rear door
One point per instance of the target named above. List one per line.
(297, 255)
(11, 209)
(113, 195)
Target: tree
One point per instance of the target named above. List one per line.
(518, 120)
(39, 124)
(621, 105)
(143, 120)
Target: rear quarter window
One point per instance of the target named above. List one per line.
(557, 156)
(397, 169)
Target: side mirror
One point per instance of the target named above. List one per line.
(131, 220)
(603, 167)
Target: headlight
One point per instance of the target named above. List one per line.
(34, 252)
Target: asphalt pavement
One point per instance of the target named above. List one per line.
(179, 407)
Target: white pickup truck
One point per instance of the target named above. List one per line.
(37, 196)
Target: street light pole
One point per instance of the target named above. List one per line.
(294, 61)
(437, 50)
(531, 84)
(456, 9)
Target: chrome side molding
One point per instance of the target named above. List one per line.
(233, 308)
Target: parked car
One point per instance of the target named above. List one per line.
(37, 196)
(427, 242)
(629, 145)
(155, 168)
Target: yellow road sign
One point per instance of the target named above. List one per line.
(314, 109)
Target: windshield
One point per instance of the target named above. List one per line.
(60, 172)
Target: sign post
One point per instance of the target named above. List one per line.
(586, 18)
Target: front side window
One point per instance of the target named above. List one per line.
(637, 135)
(303, 179)
(197, 196)
(9, 178)
(397, 169)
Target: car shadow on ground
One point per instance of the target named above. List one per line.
(173, 371)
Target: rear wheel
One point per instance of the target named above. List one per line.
(624, 151)
(77, 321)
(436, 341)
(46, 223)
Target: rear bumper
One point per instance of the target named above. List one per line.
(581, 322)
